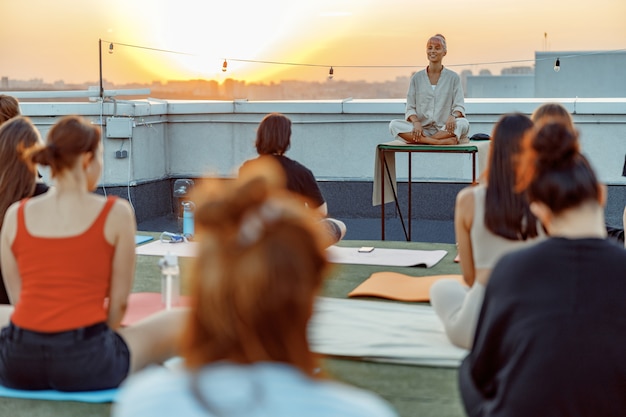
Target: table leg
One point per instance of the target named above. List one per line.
(473, 168)
(410, 188)
(381, 155)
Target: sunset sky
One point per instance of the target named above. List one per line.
(58, 40)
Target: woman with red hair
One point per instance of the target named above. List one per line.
(68, 260)
(260, 265)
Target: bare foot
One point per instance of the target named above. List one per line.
(431, 140)
(408, 138)
(450, 141)
(444, 138)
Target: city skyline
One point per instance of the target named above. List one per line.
(361, 39)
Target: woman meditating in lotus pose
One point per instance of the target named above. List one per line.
(435, 106)
(490, 219)
(68, 260)
(434, 115)
(260, 265)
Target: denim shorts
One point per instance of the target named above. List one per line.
(85, 359)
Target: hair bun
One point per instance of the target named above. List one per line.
(555, 145)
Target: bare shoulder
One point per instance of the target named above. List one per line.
(122, 205)
(122, 212)
(12, 210)
(465, 198)
(9, 224)
(10, 215)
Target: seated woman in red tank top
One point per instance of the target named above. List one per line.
(68, 259)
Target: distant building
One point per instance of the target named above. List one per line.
(519, 70)
(585, 74)
(504, 86)
(589, 74)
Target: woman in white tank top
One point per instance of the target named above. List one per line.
(490, 219)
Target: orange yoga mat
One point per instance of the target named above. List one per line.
(401, 287)
(144, 304)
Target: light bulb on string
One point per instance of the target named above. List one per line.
(556, 67)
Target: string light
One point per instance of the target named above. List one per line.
(413, 66)
(557, 64)
(146, 47)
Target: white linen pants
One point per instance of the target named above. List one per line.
(458, 308)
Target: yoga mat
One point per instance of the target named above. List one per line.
(385, 257)
(336, 254)
(401, 287)
(378, 331)
(158, 248)
(139, 239)
(102, 396)
(144, 304)
(140, 305)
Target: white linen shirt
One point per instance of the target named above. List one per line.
(433, 107)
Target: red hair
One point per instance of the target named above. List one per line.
(261, 263)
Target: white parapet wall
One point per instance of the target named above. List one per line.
(336, 139)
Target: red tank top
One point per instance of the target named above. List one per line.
(65, 280)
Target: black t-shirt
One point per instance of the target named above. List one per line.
(551, 336)
(300, 180)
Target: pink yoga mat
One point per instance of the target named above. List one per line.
(144, 304)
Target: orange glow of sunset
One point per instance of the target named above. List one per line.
(362, 39)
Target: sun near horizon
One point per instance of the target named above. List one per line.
(164, 40)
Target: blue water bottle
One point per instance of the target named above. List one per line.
(188, 212)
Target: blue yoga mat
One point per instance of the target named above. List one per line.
(142, 239)
(102, 396)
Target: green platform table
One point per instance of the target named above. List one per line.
(383, 149)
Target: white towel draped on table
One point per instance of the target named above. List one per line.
(390, 158)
